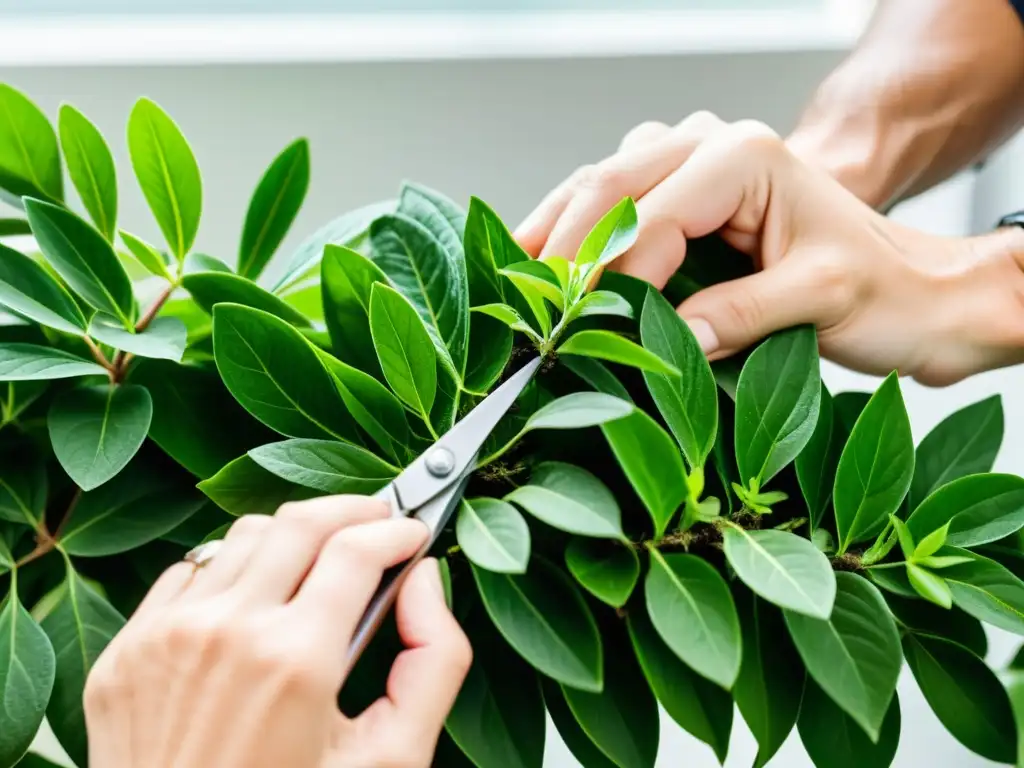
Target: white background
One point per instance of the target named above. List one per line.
(505, 127)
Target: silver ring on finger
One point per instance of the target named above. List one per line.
(203, 554)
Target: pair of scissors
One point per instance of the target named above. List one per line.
(431, 487)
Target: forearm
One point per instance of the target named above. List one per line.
(933, 86)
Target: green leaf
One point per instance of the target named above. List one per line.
(23, 486)
(438, 214)
(929, 586)
(195, 419)
(978, 509)
(212, 288)
(771, 678)
(854, 655)
(168, 174)
(575, 738)
(83, 259)
(892, 580)
(545, 619)
(579, 410)
(622, 719)
(964, 443)
(783, 568)
(965, 695)
(324, 465)
(906, 540)
(136, 507)
(875, 468)
(80, 626)
(146, 255)
(834, 740)
(27, 288)
(97, 430)
(273, 208)
(498, 718)
(489, 247)
(490, 349)
(932, 543)
(700, 707)
(373, 407)
(597, 375)
(533, 298)
(14, 227)
(607, 570)
(816, 464)
(31, 362)
(606, 345)
(26, 678)
(404, 349)
(986, 590)
(508, 316)
(164, 338)
(493, 535)
(243, 487)
(847, 408)
(276, 375)
(538, 276)
(32, 760)
(611, 237)
(433, 280)
(29, 154)
(953, 624)
(652, 463)
(688, 403)
(347, 277)
(777, 401)
(571, 499)
(600, 303)
(91, 168)
(690, 606)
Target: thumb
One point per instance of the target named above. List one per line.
(728, 317)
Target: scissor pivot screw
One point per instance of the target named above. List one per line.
(440, 462)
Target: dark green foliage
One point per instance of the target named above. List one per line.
(643, 528)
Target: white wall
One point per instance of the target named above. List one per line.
(505, 131)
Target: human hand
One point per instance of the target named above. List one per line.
(883, 297)
(238, 664)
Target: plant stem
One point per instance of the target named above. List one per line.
(121, 360)
(45, 541)
(501, 451)
(97, 354)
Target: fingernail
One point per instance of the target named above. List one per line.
(705, 334)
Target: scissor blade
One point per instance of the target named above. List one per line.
(417, 484)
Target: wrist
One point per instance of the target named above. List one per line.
(849, 157)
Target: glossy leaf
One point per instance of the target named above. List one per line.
(601, 303)
(612, 236)
(243, 487)
(23, 487)
(324, 465)
(964, 443)
(689, 402)
(97, 430)
(529, 295)
(771, 678)
(490, 349)
(146, 255)
(575, 738)
(276, 375)
(690, 606)
(652, 463)
(545, 619)
(29, 154)
(606, 345)
(26, 678)
(930, 586)
(777, 401)
(538, 276)
(83, 259)
(965, 695)
(607, 570)
(493, 535)
(597, 375)
(404, 349)
(816, 464)
(432, 279)
(784, 569)
(986, 590)
(212, 288)
(31, 362)
(489, 247)
(508, 316)
(273, 207)
(699, 706)
(80, 626)
(979, 509)
(26, 288)
(922, 618)
(442, 217)
(875, 468)
(14, 227)
(854, 655)
(91, 168)
(571, 499)
(167, 173)
(834, 740)
(579, 410)
(347, 277)
(164, 338)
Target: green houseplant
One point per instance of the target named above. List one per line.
(644, 528)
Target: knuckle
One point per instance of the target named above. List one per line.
(102, 685)
(647, 131)
(598, 178)
(355, 553)
(833, 282)
(700, 121)
(745, 311)
(754, 136)
(248, 525)
(299, 512)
